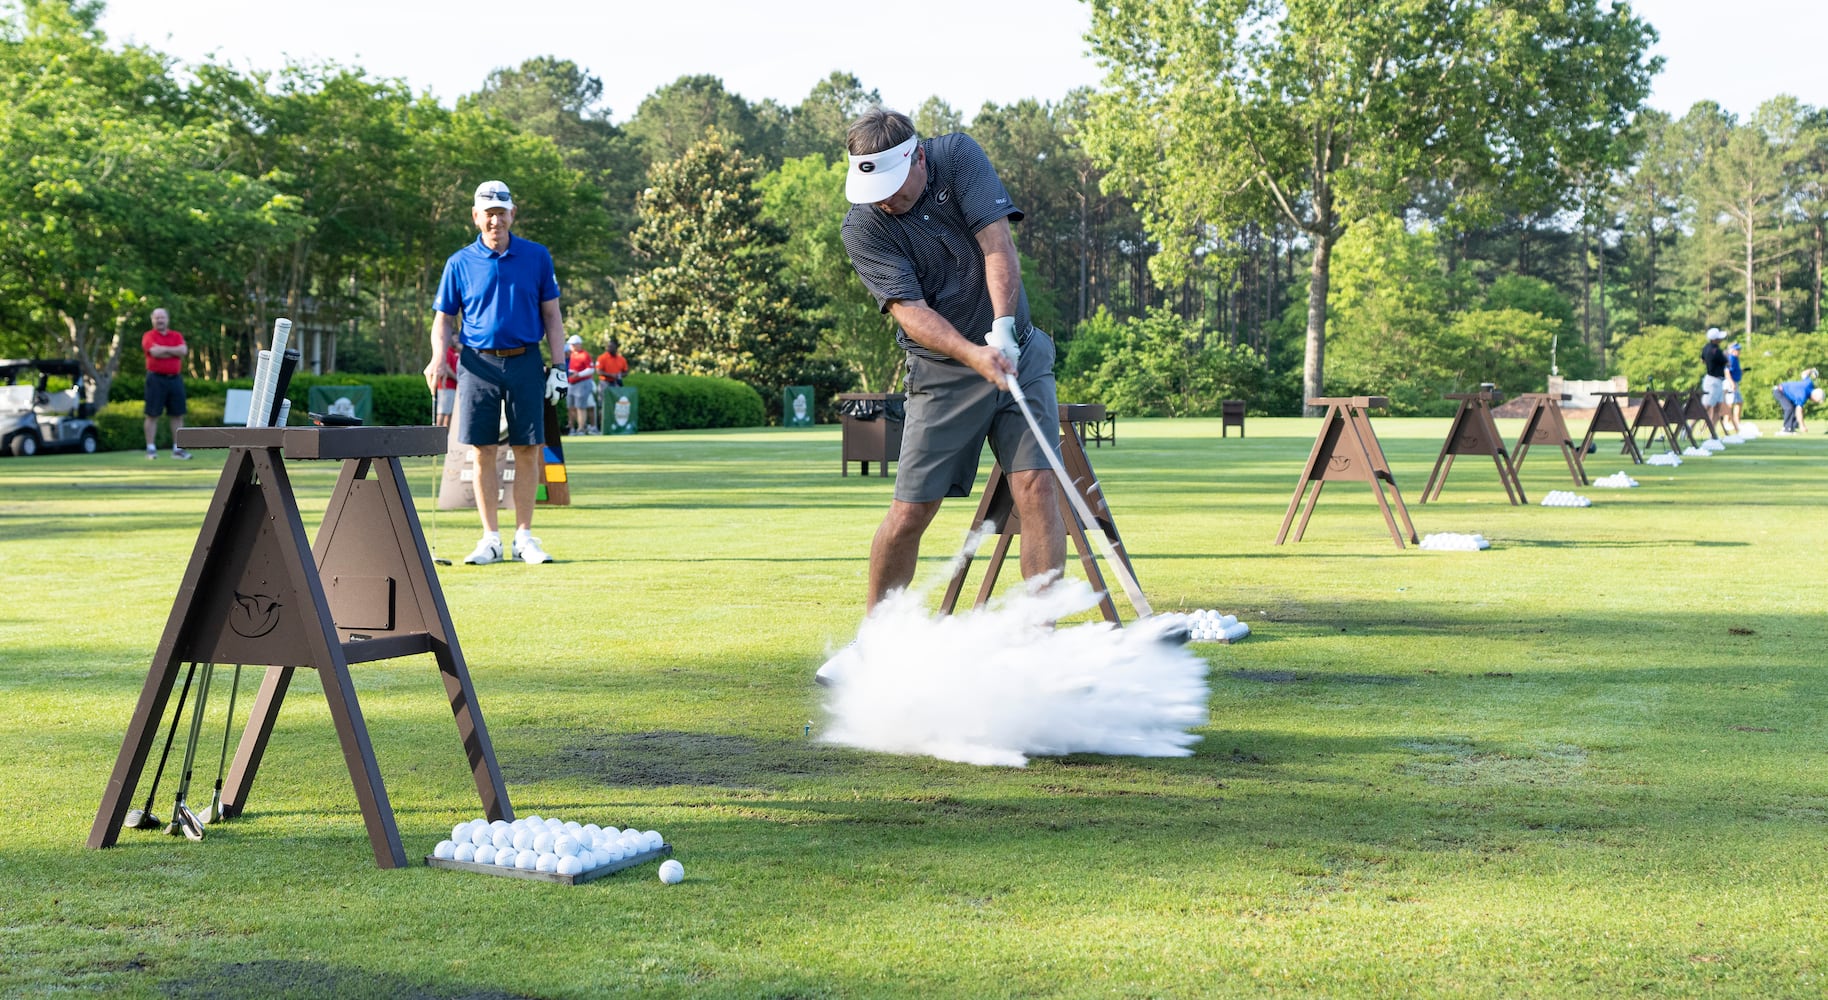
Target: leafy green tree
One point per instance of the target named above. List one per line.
(717, 298)
(805, 198)
(936, 117)
(673, 118)
(1222, 112)
(817, 125)
(1742, 189)
(1161, 365)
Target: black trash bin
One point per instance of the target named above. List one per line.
(872, 429)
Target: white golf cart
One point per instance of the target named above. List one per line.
(33, 418)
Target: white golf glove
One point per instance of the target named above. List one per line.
(555, 385)
(1002, 336)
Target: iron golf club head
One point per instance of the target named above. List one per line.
(141, 819)
(213, 813)
(185, 823)
(442, 561)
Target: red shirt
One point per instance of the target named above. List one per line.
(450, 358)
(162, 366)
(612, 365)
(578, 362)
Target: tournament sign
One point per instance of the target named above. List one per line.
(624, 409)
(343, 401)
(796, 406)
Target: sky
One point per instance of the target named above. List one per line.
(965, 51)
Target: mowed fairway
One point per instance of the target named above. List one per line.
(1591, 761)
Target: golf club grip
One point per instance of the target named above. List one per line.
(1131, 588)
(283, 381)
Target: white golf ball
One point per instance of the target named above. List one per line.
(465, 852)
(672, 872)
(546, 863)
(542, 841)
(502, 838)
(501, 824)
(533, 818)
(480, 834)
(460, 833)
(507, 858)
(523, 840)
(654, 839)
(565, 845)
(572, 827)
(444, 850)
(525, 860)
(588, 859)
(591, 833)
(568, 866)
(485, 855)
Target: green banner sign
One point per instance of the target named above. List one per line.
(621, 404)
(343, 400)
(796, 406)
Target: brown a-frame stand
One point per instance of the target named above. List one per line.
(255, 593)
(999, 508)
(1474, 432)
(1697, 410)
(1684, 410)
(1609, 416)
(1543, 424)
(1650, 415)
(1346, 448)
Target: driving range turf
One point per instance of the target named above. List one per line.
(1586, 762)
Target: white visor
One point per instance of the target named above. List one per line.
(875, 176)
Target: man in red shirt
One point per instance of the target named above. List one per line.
(581, 391)
(165, 350)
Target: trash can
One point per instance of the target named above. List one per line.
(872, 429)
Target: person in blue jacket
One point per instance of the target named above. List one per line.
(1792, 397)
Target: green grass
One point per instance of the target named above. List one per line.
(1587, 762)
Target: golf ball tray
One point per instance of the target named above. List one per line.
(580, 878)
(546, 850)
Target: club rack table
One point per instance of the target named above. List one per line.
(255, 593)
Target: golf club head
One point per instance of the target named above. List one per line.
(442, 561)
(186, 822)
(212, 814)
(140, 819)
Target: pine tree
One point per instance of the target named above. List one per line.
(715, 298)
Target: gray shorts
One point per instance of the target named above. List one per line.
(485, 382)
(952, 411)
(1713, 390)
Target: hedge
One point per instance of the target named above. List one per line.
(668, 403)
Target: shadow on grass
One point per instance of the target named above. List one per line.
(280, 978)
(662, 758)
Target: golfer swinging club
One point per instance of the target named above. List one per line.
(928, 234)
(508, 296)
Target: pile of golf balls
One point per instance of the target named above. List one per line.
(1732, 439)
(1447, 541)
(1616, 481)
(1713, 444)
(1207, 625)
(1748, 430)
(1696, 453)
(1565, 498)
(1667, 458)
(544, 845)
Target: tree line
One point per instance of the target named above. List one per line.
(1265, 200)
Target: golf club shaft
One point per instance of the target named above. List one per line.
(169, 734)
(1118, 566)
(196, 732)
(228, 722)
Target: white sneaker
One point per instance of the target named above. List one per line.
(180, 454)
(832, 671)
(152, 452)
(487, 551)
(527, 549)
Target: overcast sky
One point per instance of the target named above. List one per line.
(1737, 52)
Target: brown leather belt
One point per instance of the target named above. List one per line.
(505, 352)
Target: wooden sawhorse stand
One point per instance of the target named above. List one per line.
(1651, 415)
(1688, 410)
(1543, 424)
(1474, 432)
(1609, 416)
(999, 508)
(1346, 448)
(255, 594)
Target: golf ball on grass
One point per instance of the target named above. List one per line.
(672, 872)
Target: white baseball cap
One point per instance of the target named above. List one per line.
(1713, 333)
(493, 194)
(875, 176)
(574, 341)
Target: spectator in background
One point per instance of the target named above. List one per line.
(1792, 397)
(444, 390)
(1713, 378)
(611, 365)
(1735, 397)
(165, 350)
(580, 374)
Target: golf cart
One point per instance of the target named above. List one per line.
(32, 417)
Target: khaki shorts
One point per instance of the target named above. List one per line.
(952, 411)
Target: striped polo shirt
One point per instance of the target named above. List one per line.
(930, 251)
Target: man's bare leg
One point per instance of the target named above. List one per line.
(896, 548)
(526, 484)
(1043, 531)
(482, 457)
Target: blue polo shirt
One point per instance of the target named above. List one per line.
(498, 294)
(1798, 391)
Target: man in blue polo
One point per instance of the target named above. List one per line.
(503, 288)
(928, 234)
